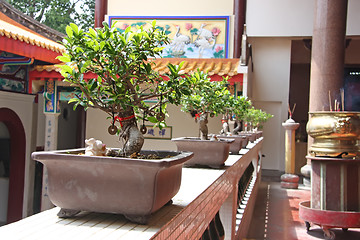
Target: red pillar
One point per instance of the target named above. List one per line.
(100, 12)
(328, 51)
(239, 12)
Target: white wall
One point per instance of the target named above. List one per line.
(23, 105)
(170, 7)
(291, 18)
(40, 136)
(279, 17)
(270, 90)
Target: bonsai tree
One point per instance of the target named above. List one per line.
(207, 97)
(262, 118)
(125, 79)
(228, 101)
(256, 117)
(239, 107)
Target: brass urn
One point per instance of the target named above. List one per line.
(336, 134)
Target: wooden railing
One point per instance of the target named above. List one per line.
(232, 196)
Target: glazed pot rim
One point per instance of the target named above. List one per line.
(232, 136)
(177, 157)
(197, 139)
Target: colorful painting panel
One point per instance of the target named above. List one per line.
(191, 36)
(12, 85)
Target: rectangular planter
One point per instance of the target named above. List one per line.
(133, 187)
(236, 146)
(206, 152)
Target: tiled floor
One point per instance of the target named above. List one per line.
(276, 216)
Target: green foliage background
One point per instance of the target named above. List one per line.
(57, 14)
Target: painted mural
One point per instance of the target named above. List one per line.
(191, 37)
(13, 72)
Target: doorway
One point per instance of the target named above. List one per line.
(4, 172)
(13, 162)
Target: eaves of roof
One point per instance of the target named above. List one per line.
(16, 38)
(216, 69)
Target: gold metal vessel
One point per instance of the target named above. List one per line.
(335, 134)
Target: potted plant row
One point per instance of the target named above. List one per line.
(254, 119)
(207, 99)
(128, 182)
(236, 108)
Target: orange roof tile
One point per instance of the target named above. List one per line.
(218, 66)
(12, 29)
(213, 66)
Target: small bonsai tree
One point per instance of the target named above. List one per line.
(256, 117)
(207, 97)
(239, 106)
(125, 78)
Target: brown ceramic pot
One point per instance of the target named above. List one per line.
(251, 135)
(206, 153)
(133, 187)
(245, 141)
(236, 146)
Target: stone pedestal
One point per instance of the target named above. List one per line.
(289, 179)
(306, 172)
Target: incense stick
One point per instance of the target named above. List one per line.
(289, 110)
(342, 95)
(293, 109)
(330, 101)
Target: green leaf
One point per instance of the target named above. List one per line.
(92, 32)
(75, 28)
(152, 119)
(66, 68)
(64, 58)
(69, 31)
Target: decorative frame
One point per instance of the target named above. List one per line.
(191, 36)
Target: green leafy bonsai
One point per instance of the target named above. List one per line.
(239, 107)
(256, 117)
(207, 97)
(125, 79)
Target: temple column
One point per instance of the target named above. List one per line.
(327, 57)
(100, 12)
(52, 112)
(328, 51)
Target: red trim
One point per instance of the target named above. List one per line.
(232, 79)
(17, 163)
(45, 75)
(27, 50)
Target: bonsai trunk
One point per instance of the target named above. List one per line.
(238, 127)
(225, 126)
(130, 132)
(203, 126)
